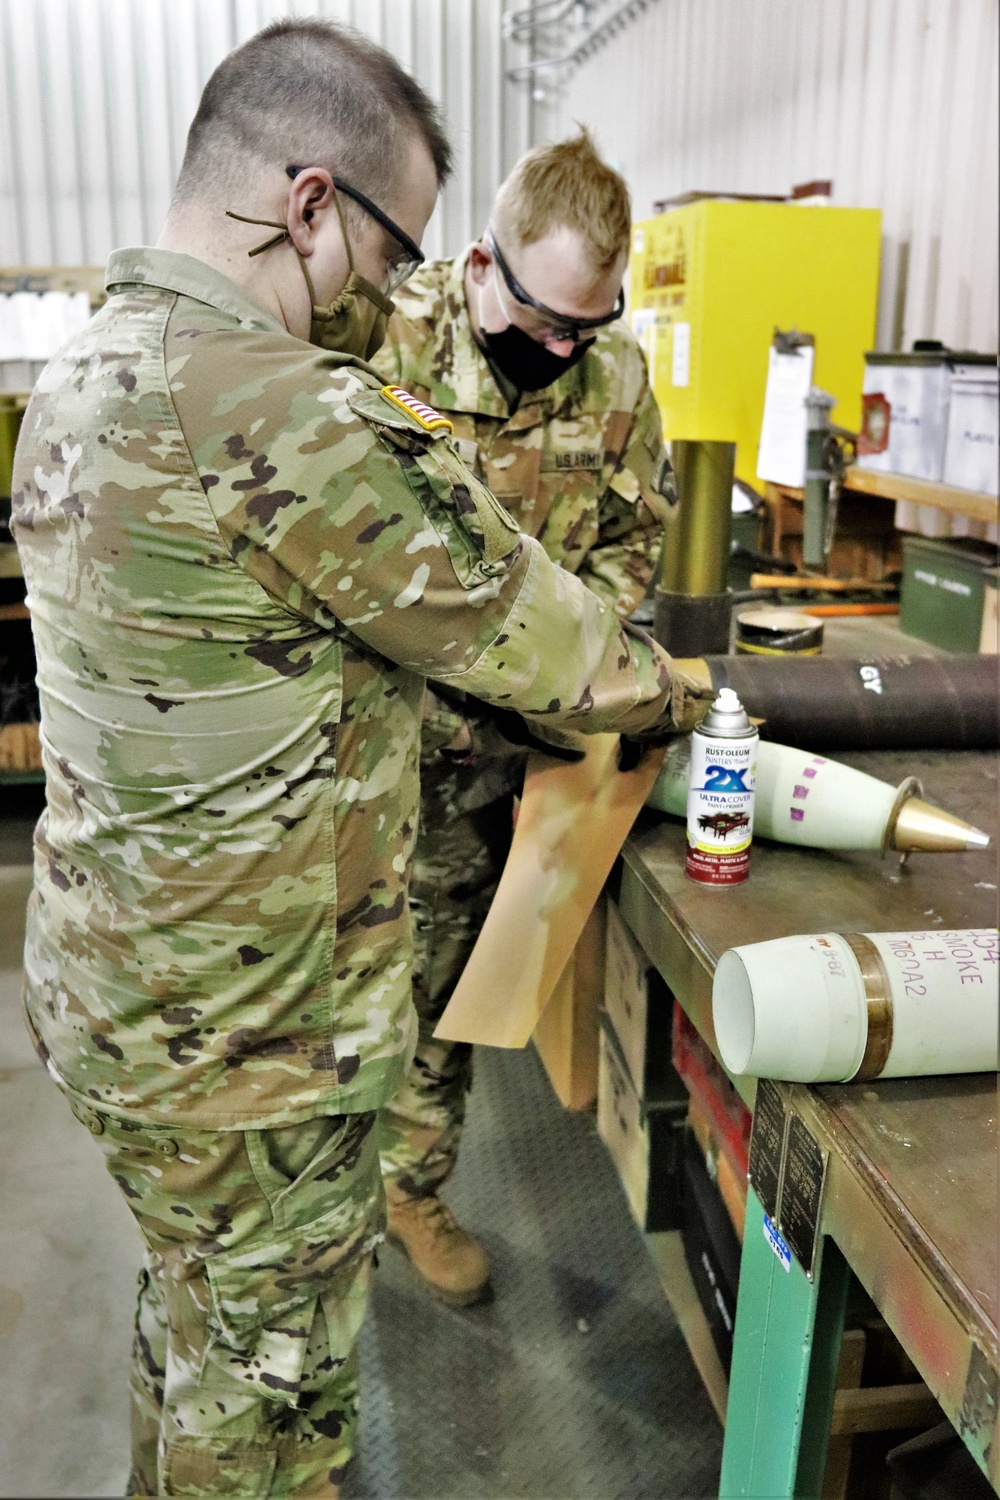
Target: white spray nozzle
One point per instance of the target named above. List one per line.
(727, 702)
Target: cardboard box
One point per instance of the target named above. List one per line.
(916, 389)
(712, 1250)
(705, 1079)
(639, 1007)
(730, 1180)
(645, 1141)
(971, 448)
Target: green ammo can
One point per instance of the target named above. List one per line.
(944, 590)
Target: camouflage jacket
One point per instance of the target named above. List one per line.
(580, 465)
(242, 560)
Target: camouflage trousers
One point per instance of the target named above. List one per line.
(255, 1283)
(457, 862)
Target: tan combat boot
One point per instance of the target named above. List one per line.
(448, 1258)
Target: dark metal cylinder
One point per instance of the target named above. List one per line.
(687, 626)
(880, 703)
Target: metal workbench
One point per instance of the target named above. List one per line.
(910, 1201)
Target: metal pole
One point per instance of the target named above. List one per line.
(692, 603)
(819, 404)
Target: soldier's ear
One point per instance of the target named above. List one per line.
(311, 195)
(479, 263)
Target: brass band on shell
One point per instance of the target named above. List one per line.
(879, 998)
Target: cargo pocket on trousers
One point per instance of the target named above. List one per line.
(200, 1466)
(261, 1318)
(265, 1300)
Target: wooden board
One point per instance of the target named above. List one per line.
(574, 819)
(974, 503)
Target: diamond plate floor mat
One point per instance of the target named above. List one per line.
(575, 1382)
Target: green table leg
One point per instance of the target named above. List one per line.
(786, 1350)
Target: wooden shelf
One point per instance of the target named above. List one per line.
(972, 503)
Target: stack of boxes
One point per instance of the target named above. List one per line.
(676, 1129)
(936, 414)
(641, 1101)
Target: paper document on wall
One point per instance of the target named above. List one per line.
(644, 327)
(781, 458)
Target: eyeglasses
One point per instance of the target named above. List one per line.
(556, 326)
(408, 255)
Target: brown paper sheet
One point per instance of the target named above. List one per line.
(572, 824)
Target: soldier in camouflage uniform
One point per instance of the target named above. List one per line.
(555, 414)
(243, 557)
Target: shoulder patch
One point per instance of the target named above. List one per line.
(429, 419)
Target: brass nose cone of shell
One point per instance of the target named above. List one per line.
(919, 826)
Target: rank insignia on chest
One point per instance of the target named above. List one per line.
(429, 419)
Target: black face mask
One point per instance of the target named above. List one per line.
(528, 365)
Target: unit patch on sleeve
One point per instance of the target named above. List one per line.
(429, 419)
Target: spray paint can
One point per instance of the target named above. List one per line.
(720, 794)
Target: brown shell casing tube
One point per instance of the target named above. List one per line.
(877, 703)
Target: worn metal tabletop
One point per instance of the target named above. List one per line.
(912, 1191)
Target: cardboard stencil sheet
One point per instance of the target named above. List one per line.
(573, 821)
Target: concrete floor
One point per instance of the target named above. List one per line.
(68, 1259)
(520, 1404)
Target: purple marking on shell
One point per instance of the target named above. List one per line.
(809, 771)
(798, 813)
(800, 792)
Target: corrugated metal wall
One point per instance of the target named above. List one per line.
(895, 100)
(96, 97)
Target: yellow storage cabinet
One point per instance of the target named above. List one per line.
(709, 283)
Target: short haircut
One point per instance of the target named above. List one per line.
(566, 183)
(308, 93)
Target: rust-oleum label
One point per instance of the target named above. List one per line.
(720, 808)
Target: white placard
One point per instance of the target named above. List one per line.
(10, 329)
(680, 368)
(781, 457)
(33, 325)
(644, 327)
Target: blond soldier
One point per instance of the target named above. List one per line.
(520, 342)
(243, 558)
